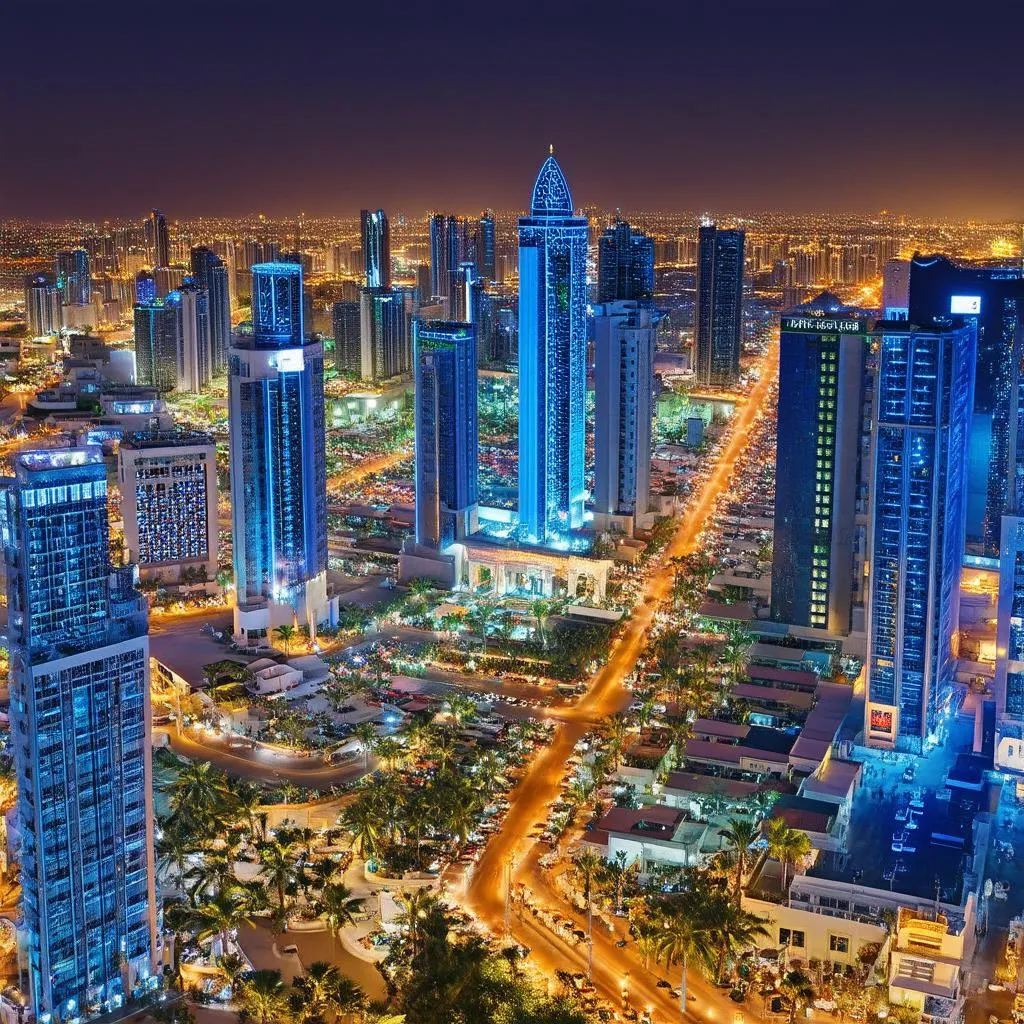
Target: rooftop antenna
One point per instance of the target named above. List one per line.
(551, 148)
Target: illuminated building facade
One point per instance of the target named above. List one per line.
(486, 262)
(1009, 674)
(278, 467)
(718, 317)
(43, 313)
(158, 342)
(625, 264)
(168, 482)
(376, 238)
(446, 431)
(994, 298)
(73, 277)
(552, 360)
(145, 287)
(195, 360)
(920, 426)
(385, 319)
(158, 239)
(80, 720)
(822, 362)
(346, 321)
(447, 251)
(209, 271)
(624, 335)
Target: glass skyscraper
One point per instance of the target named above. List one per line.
(346, 323)
(73, 277)
(486, 259)
(447, 250)
(210, 272)
(80, 734)
(920, 426)
(821, 399)
(625, 264)
(718, 315)
(158, 239)
(376, 238)
(552, 360)
(278, 471)
(446, 431)
(385, 316)
(42, 305)
(158, 343)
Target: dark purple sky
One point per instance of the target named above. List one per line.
(230, 107)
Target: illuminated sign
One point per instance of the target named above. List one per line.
(825, 324)
(290, 360)
(965, 305)
(881, 721)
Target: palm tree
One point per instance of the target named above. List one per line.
(226, 910)
(734, 929)
(787, 845)
(796, 989)
(614, 872)
(541, 610)
(338, 907)
(686, 936)
(587, 864)
(178, 920)
(739, 835)
(462, 709)
(232, 967)
(417, 904)
(199, 794)
(286, 634)
(264, 999)
(363, 821)
(277, 867)
(482, 617)
(366, 733)
(313, 991)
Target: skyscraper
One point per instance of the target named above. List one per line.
(159, 343)
(718, 315)
(346, 320)
(145, 287)
(447, 251)
(625, 264)
(168, 482)
(80, 733)
(486, 263)
(920, 425)
(278, 471)
(195, 360)
(210, 272)
(992, 296)
(376, 237)
(623, 406)
(821, 387)
(385, 340)
(552, 360)
(158, 239)
(446, 431)
(1009, 673)
(73, 277)
(42, 305)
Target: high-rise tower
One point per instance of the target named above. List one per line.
(376, 237)
(158, 239)
(552, 360)
(80, 733)
(718, 317)
(210, 272)
(73, 277)
(42, 305)
(625, 266)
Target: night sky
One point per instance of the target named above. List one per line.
(230, 107)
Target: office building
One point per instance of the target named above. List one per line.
(145, 287)
(447, 251)
(376, 238)
(623, 406)
(158, 239)
(43, 315)
(920, 425)
(168, 482)
(209, 271)
(159, 327)
(446, 431)
(195, 360)
(718, 316)
(80, 733)
(385, 316)
(625, 264)
(993, 297)
(552, 360)
(346, 320)
(73, 277)
(486, 265)
(278, 467)
(822, 357)
(896, 290)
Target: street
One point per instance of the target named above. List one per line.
(540, 786)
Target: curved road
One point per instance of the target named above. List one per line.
(539, 788)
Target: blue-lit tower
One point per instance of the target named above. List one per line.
(73, 277)
(209, 271)
(446, 431)
(145, 287)
(625, 264)
(278, 472)
(718, 315)
(920, 426)
(159, 343)
(486, 259)
(447, 252)
(376, 238)
(80, 735)
(552, 360)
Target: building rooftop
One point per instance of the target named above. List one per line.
(551, 195)
(803, 813)
(166, 439)
(653, 820)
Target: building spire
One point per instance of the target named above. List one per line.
(551, 148)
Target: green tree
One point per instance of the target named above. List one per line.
(739, 835)
(264, 998)
(226, 910)
(338, 907)
(277, 867)
(795, 988)
(286, 635)
(787, 845)
(686, 937)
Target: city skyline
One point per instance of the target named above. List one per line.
(763, 152)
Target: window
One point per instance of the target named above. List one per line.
(791, 937)
(839, 943)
